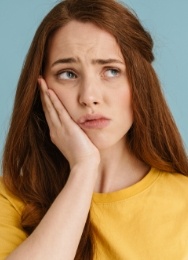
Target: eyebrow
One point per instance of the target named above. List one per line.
(97, 61)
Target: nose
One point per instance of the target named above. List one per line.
(90, 94)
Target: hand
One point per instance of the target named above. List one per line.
(69, 138)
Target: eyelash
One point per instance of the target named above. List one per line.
(106, 69)
(117, 71)
(66, 71)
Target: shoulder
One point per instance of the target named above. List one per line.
(173, 182)
(12, 233)
(173, 177)
(9, 199)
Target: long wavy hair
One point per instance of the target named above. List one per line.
(33, 168)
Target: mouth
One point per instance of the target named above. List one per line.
(93, 121)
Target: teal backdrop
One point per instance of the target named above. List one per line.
(167, 21)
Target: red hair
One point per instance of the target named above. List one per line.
(33, 168)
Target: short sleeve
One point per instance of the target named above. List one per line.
(11, 231)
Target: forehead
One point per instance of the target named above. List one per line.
(78, 38)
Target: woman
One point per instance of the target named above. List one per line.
(94, 166)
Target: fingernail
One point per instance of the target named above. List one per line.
(48, 93)
(39, 81)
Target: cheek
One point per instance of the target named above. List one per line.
(67, 99)
(124, 100)
(126, 106)
(65, 96)
(57, 88)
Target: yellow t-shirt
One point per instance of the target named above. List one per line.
(11, 232)
(147, 221)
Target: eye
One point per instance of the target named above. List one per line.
(111, 73)
(66, 75)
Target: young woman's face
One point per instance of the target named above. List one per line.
(86, 70)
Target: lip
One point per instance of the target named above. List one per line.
(95, 121)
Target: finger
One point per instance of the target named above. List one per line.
(59, 107)
(49, 110)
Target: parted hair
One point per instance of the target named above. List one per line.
(33, 168)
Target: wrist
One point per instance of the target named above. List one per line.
(89, 162)
(85, 171)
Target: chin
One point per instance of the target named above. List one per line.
(104, 144)
(104, 140)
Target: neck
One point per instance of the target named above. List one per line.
(119, 169)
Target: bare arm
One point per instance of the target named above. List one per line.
(59, 232)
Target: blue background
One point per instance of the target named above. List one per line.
(167, 21)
